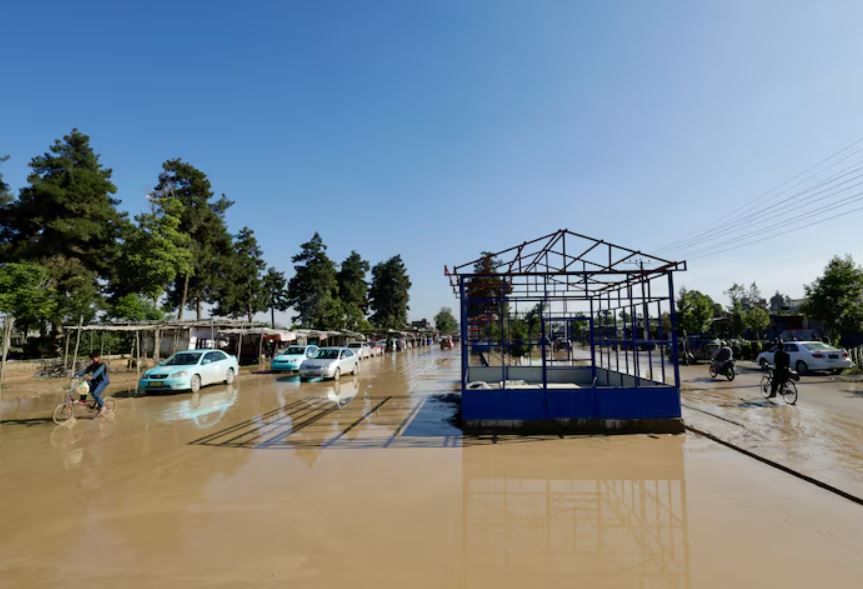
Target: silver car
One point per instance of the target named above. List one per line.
(330, 363)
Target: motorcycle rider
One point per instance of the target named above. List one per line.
(722, 357)
(781, 370)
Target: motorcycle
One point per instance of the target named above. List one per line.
(726, 369)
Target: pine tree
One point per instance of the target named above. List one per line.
(313, 290)
(66, 220)
(275, 287)
(353, 291)
(203, 220)
(240, 292)
(67, 209)
(389, 294)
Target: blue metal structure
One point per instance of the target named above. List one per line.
(568, 332)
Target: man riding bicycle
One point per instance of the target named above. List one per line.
(96, 375)
(781, 369)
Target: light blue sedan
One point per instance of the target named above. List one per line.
(190, 370)
(290, 359)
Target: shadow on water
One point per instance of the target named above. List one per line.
(27, 422)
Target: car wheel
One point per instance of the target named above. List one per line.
(801, 367)
(764, 364)
(337, 374)
(196, 383)
(229, 377)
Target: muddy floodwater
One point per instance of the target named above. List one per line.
(369, 483)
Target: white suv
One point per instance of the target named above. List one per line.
(809, 356)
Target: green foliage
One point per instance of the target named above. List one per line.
(133, 307)
(25, 292)
(835, 298)
(389, 294)
(353, 291)
(75, 290)
(757, 320)
(313, 290)
(275, 290)
(241, 291)
(203, 220)
(695, 311)
(67, 210)
(5, 193)
(156, 251)
(445, 322)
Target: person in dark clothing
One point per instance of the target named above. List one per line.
(96, 375)
(781, 368)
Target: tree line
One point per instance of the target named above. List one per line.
(835, 299)
(67, 251)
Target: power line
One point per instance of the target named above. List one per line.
(800, 178)
(806, 226)
(756, 224)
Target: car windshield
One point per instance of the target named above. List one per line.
(819, 347)
(183, 359)
(294, 351)
(327, 355)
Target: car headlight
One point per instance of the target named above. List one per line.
(180, 374)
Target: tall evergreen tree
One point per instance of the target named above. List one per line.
(5, 202)
(66, 219)
(5, 193)
(275, 288)
(203, 220)
(240, 291)
(389, 294)
(353, 291)
(313, 290)
(67, 209)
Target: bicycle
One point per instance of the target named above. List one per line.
(788, 390)
(66, 410)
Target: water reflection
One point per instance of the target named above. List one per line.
(564, 516)
(203, 408)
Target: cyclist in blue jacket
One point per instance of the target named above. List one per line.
(96, 375)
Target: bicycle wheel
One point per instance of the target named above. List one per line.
(789, 392)
(62, 412)
(765, 385)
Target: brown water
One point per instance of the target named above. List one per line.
(366, 483)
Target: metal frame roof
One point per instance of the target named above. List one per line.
(567, 264)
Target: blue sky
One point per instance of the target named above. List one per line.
(438, 129)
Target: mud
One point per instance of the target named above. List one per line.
(369, 483)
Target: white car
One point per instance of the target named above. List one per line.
(330, 363)
(190, 370)
(361, 349)
(809, 356)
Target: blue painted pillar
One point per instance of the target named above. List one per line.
(464, 342)
(674, 343)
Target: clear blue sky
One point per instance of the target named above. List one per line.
(441, 128)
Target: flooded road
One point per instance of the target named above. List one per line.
(821, 436)
(368, 483)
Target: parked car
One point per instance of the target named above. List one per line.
(290, 359)
(361, 349)
(190, 370)
(809, 356)
(330, 363)
(446, 343)
(376, 349)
